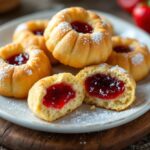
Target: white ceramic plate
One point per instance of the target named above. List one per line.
(83, 119)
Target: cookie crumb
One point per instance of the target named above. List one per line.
(92, 107)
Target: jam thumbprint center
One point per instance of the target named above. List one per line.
(58, 95)
(38, 32)
(122, 49)
(104, 86)
(18, 59)
(81, 27)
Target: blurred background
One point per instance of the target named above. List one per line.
(137, 11)
(24, 7)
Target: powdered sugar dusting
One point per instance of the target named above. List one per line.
(118, 68)
(36, 51)
(64, 27)
(104, 23)
(97, 37)
(4, 72)
(82, 118)
(137, 59)
(103, 65)
(29, 71)
(87, 116)
(85, 40)
(21, 27)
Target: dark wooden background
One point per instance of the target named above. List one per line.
(110, 6)
(31, 6)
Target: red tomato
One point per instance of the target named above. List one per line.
(141, 15)
(128, 5)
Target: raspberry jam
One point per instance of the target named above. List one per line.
(122, 49)
(104, 86)
(58, 95)
(18, 59)
(81, 27)
(38, 32)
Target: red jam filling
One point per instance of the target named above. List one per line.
(18, 59)
(81, 27)
(38, 32)
(58, 95)
(122, 49)
(104, 86)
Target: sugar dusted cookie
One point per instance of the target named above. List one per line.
(108, 87)
(55, 96)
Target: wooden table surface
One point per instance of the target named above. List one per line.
(109, 6)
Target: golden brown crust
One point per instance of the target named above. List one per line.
(16, 80)
(24, 35)
(78, 49)
(49, 114)
(108, 24)
(120, 103)
(136, 62)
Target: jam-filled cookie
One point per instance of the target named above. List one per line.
(131, 55)
(31, 33)
(55, 96)
(20, 68)
(108, 87)
(78, 37)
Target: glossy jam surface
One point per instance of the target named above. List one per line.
(58, 95)
(18, 59)
(122, 49)
(104, 86)
(81, 27)
(38, 32)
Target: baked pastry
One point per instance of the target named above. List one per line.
(55, 96)
(20, 69)
(107, 24)
(31, 33)
(110, 87)
(131, 55)
(78, 37)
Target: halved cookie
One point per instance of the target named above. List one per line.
(55, 96)
(107, 86)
